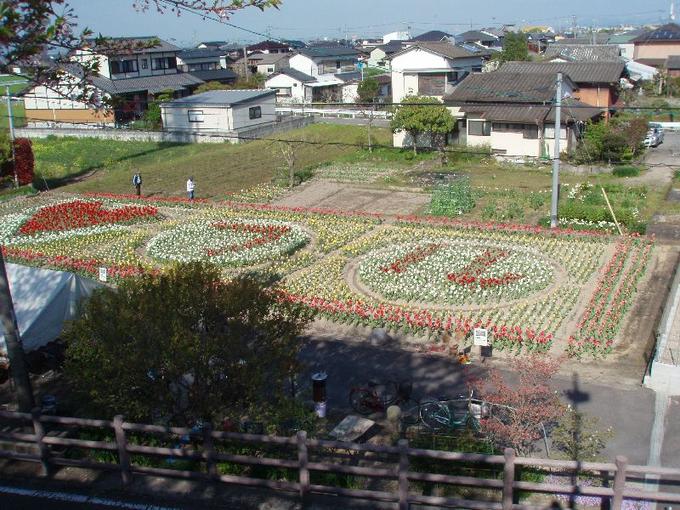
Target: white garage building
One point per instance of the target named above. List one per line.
(220, 111)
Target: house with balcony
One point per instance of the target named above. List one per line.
(318, 60)
(432, 68)
(655, 46)
(207, 64)
(128, 77)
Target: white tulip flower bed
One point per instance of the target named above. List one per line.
(233, 242)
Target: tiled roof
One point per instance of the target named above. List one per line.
(665, 33)
(444, 49)
(625, 38)
(505, 87)
(152, 84)
(476, 35)
(391, 47)
(215, 74)
(579, 72)
(584, 52)
(432, 35)
(332, 51)
(221, 97)
(160, 46)
(268, 45)
(297, 75)
(201, 53)
(533, 114)
(349, 76)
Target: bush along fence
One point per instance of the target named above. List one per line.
(308, 466)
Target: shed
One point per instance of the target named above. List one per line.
(220, 111)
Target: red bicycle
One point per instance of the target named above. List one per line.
(375, 397)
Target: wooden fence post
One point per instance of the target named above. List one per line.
(619, 482)
(43, 449)
(123, 455)
(403, 474)
(303, 460)
(605, 503)
(209, 451)
(508, 478)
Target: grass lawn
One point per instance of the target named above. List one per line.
(17, 106)
(216, 168)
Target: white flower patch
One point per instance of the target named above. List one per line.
(508, 274)
(10, 224)
(235, 242)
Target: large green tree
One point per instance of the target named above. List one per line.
(183, 346)
(421, 114)
(515, 47)
(367, 90)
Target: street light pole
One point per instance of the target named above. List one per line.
(11, 135)
(15, 351)
(556, 157)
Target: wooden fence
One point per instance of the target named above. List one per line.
(304, 458)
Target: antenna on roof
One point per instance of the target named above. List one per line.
(672, 13)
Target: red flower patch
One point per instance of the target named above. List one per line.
(471, 273)
(412, 257)
(265, 234)
(79, 214)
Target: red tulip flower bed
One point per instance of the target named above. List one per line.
(420, 253)
(80, 214)
(266, 234)
(472, 273)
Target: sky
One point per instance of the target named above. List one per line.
(307, 19)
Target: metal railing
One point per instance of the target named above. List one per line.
(301, 457)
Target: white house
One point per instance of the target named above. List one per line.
(379, 57)
(220, 111)
(432, 69)
(291, 86)
(294, 87)
(316, 61)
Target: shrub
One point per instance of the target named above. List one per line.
(453, 199)
(626, 171)
(24, 161)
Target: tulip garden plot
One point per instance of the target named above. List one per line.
(532, 289)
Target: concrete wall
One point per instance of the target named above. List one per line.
(595, 96)
(213, 119)
(304, 65)
(240, 115)
(656, 50)
(166, 136)
(297, 89)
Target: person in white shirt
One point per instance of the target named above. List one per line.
(190, 188)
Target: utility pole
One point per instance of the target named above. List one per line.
(11, 134)
(245, 63)
(556, 157)
(15, 351)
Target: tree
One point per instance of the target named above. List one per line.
(368, 90)
(580, 437)
(152, 115)
(515, 47)
(520, 412)
(24, 160)
(28, 28)
(183, 346)
(421, 114)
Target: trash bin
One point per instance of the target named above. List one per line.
(49, 405)
(319, 393)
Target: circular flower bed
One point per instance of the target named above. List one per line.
(237, 242)
(455, 273)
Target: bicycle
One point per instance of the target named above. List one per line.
(375, 397)
(453, 414)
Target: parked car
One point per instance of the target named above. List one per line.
(655, 135)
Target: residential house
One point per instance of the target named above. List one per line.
(379, 57)
(270, 63)
(269, 47)
(558, 52)
(207, 64)
(539, 41)
(597, 82)
(655, 46)
(432, 69)
(295, 87)
(403, 35)
(625, 42)
(219, 111)
(514, 114)
(316, 60)
(673, 66)
(385, 90)
(212, 45)
(482, 38)
(129, 79)
(434, 36)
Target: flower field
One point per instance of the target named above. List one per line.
(534, 290)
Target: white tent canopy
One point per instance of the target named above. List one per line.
(43, 301)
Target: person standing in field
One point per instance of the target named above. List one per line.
(190, 188)
(137, 183)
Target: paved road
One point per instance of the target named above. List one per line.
(628, 409)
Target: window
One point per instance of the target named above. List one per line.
(195, 115)
(163, 63)
(530, 132)
(550, 132)
(255, 112)
(283, 92)
(479, 128)
(115, 67)
(432, 84)
(505, 127)
(129, 66)
(145, 64)
(270, 69)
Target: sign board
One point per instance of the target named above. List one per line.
(360, 65)
(103, 274)
(481, 337)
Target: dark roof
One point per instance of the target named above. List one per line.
(201, 53)
(264, 45)
(654, 62)
(293, 43)
(533, 114)
(444, 49)
(668, 32)
(215, 75)
(350, 76)
(391, 47)
(505, 87)
(584, 52)
(432, 36)
(594, 38)
(673, 62)
(161, 46)
(213, 43)
(579, 72)
(625, 37)
(476, 35)
(296, 75)
(221, 97)
(328, 51)
(383, 79)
